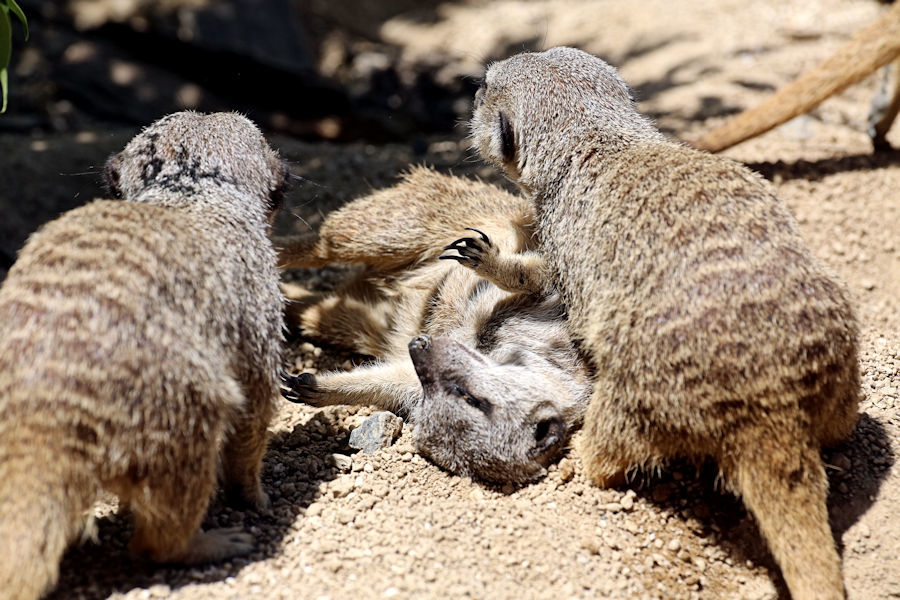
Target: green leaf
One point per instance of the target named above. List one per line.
(18, 12)
(3, 85)
(5, 39)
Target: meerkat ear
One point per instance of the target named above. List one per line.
(507, 139)
(283, 185)
(111, 176)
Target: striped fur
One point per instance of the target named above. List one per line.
(713, 330)
(512, 350)
(141, 341)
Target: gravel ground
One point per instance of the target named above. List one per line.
(391, 524)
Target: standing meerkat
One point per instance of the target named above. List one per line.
(712, 328)
(140, 343)
(870, 49)
(489, 380)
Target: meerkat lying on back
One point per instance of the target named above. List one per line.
(868, 50)
(494, 386)
(712, 328)
(140, 341)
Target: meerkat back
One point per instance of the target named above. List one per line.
(713, 329)
(139, 347)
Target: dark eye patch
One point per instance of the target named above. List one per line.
(473, 401)
(542, 430)
(507, 139)
(515, 359)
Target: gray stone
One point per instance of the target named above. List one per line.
(376, 432)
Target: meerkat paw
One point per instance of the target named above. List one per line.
(300, 389)
(218, 544)
(522, 272)
(604, 473)
(473, 252)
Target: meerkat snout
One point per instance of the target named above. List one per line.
(476, 399)
(419, 343)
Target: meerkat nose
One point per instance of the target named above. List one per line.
(420, 342)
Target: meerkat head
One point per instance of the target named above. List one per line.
(187, 153)
(535, 111)
(497, 421)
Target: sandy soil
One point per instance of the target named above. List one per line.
(393, 525)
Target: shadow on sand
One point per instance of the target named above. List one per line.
(297, 464)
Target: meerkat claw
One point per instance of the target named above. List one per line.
(460, 259)
(299, 389)
(484, 237)
(470, 250)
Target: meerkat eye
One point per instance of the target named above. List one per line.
(473, 401)
(515, 359)
(507, 139)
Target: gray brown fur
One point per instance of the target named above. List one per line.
(870, 48)
(494, 385)
(713, 330)
(141, 342)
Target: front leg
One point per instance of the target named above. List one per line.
(885, 106)
(243, 451)
(391, 386)
(523, 272)
(303, 250)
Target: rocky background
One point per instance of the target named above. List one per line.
(352, 93)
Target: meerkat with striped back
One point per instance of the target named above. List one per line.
(140, 343)
(713, 330)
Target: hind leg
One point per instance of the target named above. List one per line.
(358, 316)
(303, 250)
(386, 230)
(839, 422)
(245, 446)
(169, 508)
(885, 107)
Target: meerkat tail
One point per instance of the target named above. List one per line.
(785, 488)
(868, 50)
(36, 523)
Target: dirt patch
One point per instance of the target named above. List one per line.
(393, 525)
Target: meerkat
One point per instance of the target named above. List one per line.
(867, 51)
(491, 381)
(140, 345)
(712, 329)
